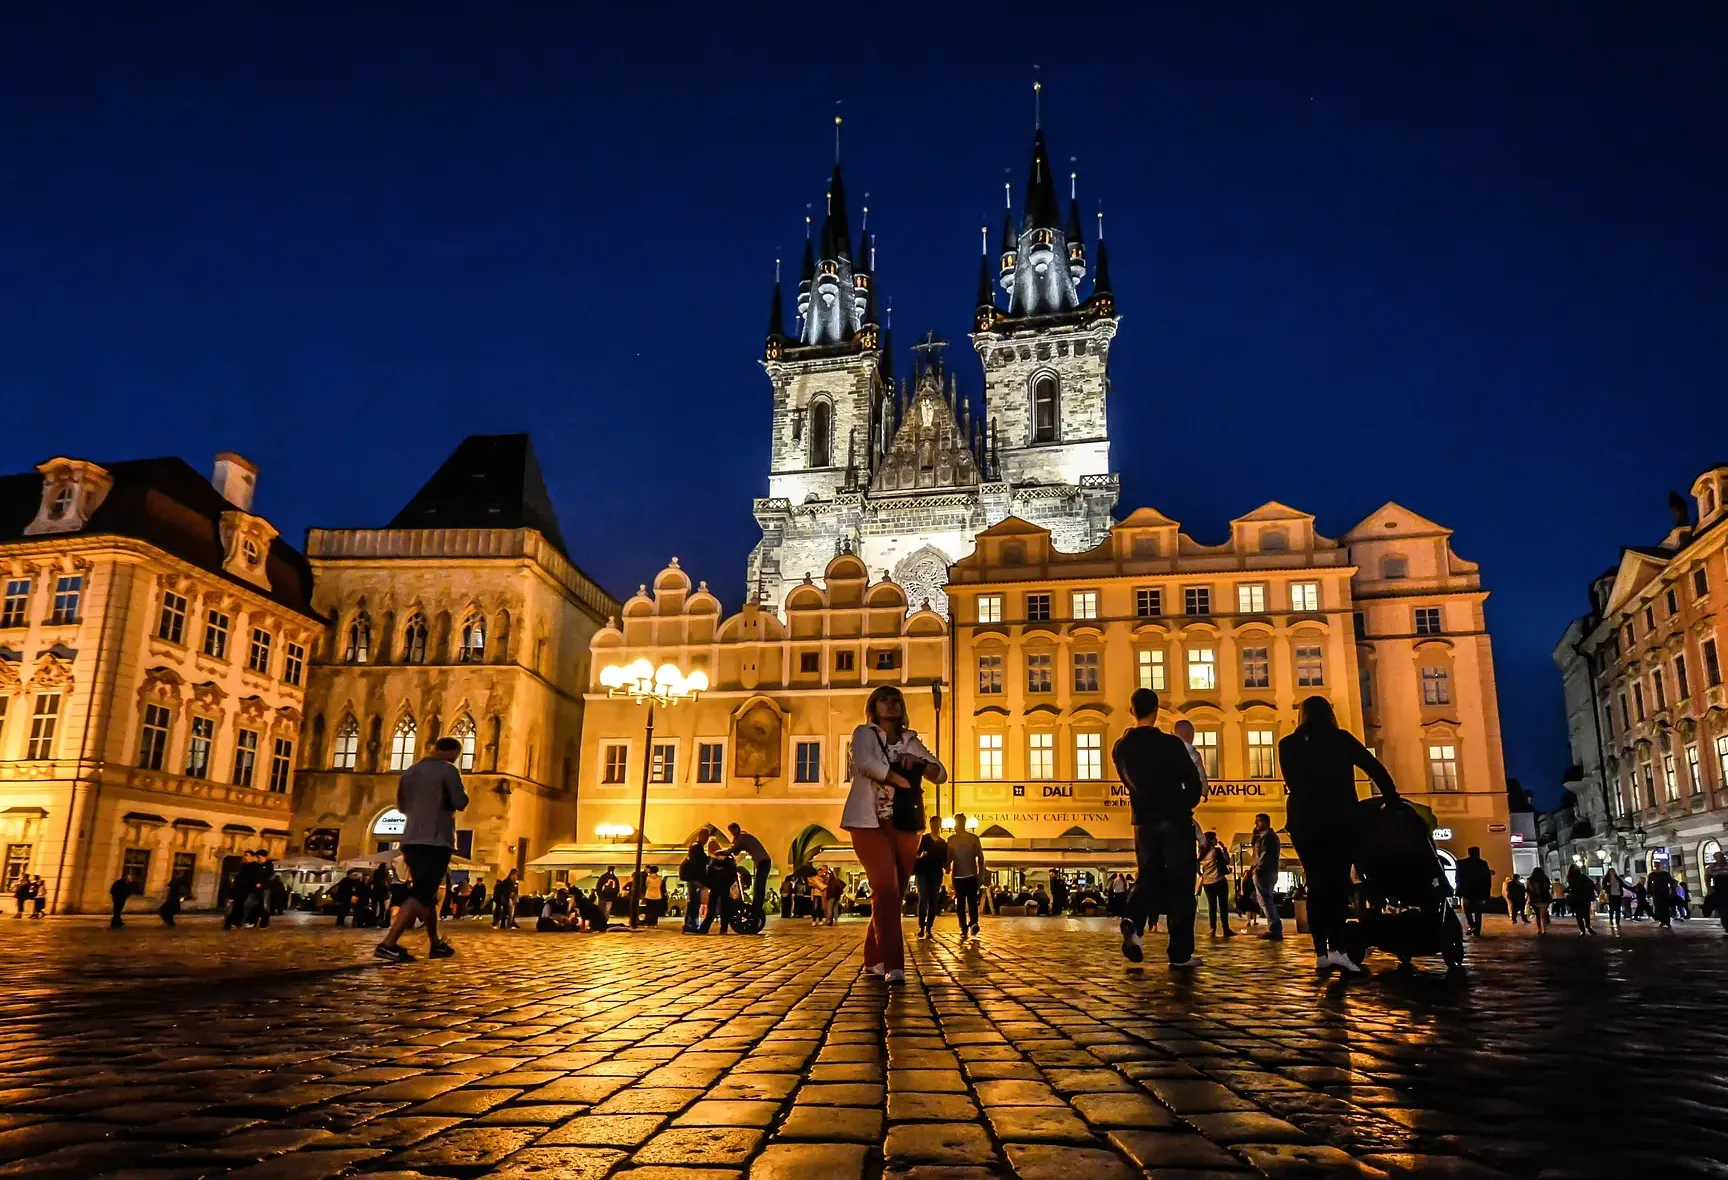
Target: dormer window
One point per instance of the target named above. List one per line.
(1709, 499)
(72, 491)
(62, 502)
(250, 551)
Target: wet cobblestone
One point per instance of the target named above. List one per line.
(291, 1054)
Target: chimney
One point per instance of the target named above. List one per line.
(235, 478)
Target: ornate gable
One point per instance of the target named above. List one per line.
(246, 546)
(72, 490)
(930, 450)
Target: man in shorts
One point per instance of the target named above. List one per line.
(429, 793)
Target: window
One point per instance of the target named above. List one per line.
(17, 864)
(1365, 684)
(1722, 758)
(1649, 620)
(1700, 582)
(1197, 600)
(216, 634)
(43, 723)
(809, 661)
(293, 663)
(4, 700)
(1638, 698)
(403, 742)
(1673, 602)
(989, 756)
(1256, 667)
(153, 738)
(843, 661)
(1038, 673)
(1394, 567)
(258, 655)
(1037, 608)
(1625, 714)
(1656, 683)
(1089, 756)
(1694, 775)
(185, 865)
(1148, 603)
(359, 649)
(1310, 666)
(135, 867)
(1670, 779)
(887, 661)
(199, 747)
(821, 434)
(281, 765)
(1443, 767)
(245, 757)
(710, 758)
(1305, 596)
(1041, 755)
(989, 675)
(172, 623)
(1261, 753)
(1607, 721)
(1085, 671)
(1085, 604)
(1436, 686)
(1682, 682)
(663, 765)
(67, 592)
(1206, 742)
(1274, 541)
(989, 608)
(1044, 408)
(1712, 665)
(345, 750)
(1427, 620)
(614, 757)
(463, 731)
(1151, 665)
(15, 609)
(1202, 669)
(1250, 599)
(807, 763)
(472, 649)
(1359, 623)
(414, 641)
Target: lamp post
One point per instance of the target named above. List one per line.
(666, 687)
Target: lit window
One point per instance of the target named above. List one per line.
(293, 663)
(1085, 604)
(663, 766)
(1427, 620)
(1148, 603)
(1202, 669)
(1038, 674)
(414, 641)
(1305, 596)
(1151, 665)
(43, 724)
(1670, 779)
(359, 649)
(989, 675)
(989, 756)
(1197, 600)
(1089, 756)
(245, 758)
(615, 756)
(1443, 767)
(807, 764)
(1044, 408)
(1256, 667)
(1436, 686)
(473, 647)
(345, 750)
(1206, 743)
(15, 609)
(1041, 755)
(281, 765)
(403, 743)
(1085, 671)
(710, 758)
(199, 747)
(1250, 599)
(1037, 608)
(989, 608)
(67, 592)
(1722, 758)
(1310, 666)
(216, 634)
(153, 740)
(1694, 774)
(172, 623)
(463, 731)
(258, 654)
(1261, 753)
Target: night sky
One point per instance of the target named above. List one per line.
(1470, 258)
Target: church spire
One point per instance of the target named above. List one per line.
(776, 319)
(1043, 260)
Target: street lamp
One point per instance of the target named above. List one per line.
(645, 685)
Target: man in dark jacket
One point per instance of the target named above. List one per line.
(347, 890)
(1475, 886)
(1163, 787)
(118, 893)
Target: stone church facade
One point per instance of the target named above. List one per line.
(900, 472)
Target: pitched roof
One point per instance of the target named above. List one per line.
(490, 481)
(168, 504)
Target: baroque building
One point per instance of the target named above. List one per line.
(1643, 678)
(154, 640)
(463, 616)
(903, 474)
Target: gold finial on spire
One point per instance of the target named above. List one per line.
(776, 270)
(1100, 225)
(1008, 195)
(1037, 101)
(984, 239)
(837, 103)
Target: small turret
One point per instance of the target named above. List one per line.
(776, 342)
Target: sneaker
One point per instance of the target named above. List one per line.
(895, 976)
(441, 950)
(1322, 964)
(877, 969)
(1345, 963)
(394, 954)
(1188, 964)
(1131, 945)
(974, 931)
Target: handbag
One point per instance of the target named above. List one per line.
(908, 800)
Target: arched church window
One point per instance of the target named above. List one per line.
(414, 641)
(821, 435)
(473, 649)
(345, 751)
(1045, 402)
(463, 731)
(359, 649)
(403, 743)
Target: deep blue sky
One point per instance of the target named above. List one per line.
(1468, 257)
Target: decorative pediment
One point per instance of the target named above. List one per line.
(1637, 570)
(10, 681)
(209, 695)
(253, 709)
(52, 675)
(246, 546)
(287, 719)
(161, 684)
(933, 448)
(72, 491)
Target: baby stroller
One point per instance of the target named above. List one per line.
(1404, 903)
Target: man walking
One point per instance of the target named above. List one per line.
(1515, 892)
(118, 893)
(966, 867)
(927, 868)
(606, 892)
(430, 793)
(1475, 886)
(761, 865)
(1164, 786)
(1267, 849)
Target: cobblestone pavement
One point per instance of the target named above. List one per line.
(1036, 1052)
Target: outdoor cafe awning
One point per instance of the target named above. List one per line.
(619, 857)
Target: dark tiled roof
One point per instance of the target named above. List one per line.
(491, 481)
(168, 504)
